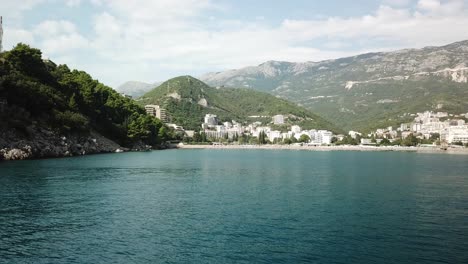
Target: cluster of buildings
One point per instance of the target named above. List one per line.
(214, 129)
(448, 127)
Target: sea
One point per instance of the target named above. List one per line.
(236, 206)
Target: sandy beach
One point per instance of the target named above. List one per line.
(460, 151)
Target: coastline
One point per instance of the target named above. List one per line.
(436, 150)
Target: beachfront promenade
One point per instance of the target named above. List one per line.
(331, 148)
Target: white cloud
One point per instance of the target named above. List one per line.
(58, 37)
(424, 27)
(73, 3)
(13, 36)
(51, 28)
(429, 5)
(397, 3)
(152, 40)
(12, 11)
(161, 10)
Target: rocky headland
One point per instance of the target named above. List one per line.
(38, 143)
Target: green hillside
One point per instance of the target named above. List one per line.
(184, 99)
(389, 103)
(42, 96)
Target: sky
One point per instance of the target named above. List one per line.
(153, 40)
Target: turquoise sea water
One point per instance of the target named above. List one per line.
(236, 206)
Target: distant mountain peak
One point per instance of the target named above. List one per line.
(135, 88)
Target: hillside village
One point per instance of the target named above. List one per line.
(441, 127)
(428, 128)
(232, 130)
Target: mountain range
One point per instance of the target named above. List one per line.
(187, 100)
(366, 91)
(135, 88)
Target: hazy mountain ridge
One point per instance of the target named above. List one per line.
(136, 88)
(361, 67)
(347, 91)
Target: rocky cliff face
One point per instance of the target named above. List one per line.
(36, 143)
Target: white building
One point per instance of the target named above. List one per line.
(257, 130)
(220, 128)
(323, 137)
(272, 135)
(156, 111)
(405, 127)
(175, 126)
(416, 127)
(441, 114)
(215, 134)
(354, 134)
(296, 129)
(405, 134)
(278, 119)
(457, 134)
(211, 120)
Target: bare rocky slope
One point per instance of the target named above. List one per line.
(36, 143)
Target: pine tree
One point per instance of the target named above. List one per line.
(72, 103)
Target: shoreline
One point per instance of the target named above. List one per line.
(436, 150)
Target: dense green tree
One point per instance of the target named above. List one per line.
(410, 141)
(385, 142)
(435, 136)
(262, 138)
(72, 104)
(348, 140)
(27, 60)
(293, 140)
(196, 137)
(203, 137)
(304, 138)
(163, 133)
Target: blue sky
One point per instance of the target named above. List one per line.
(120, 40)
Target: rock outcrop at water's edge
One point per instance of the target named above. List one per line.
(37, 143)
